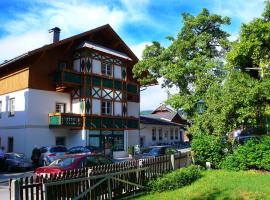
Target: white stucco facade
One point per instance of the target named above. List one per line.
(147, 138)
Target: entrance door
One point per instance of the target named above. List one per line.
(108, 145)
(10, 144)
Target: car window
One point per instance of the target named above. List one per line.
(63, 162)
(58, 149)
(154, 151)
(43, 150)
(170, 150)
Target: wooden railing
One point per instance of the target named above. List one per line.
(112, 181)
(65, 120)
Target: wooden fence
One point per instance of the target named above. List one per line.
(112, 181)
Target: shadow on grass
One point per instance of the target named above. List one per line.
(210, 195)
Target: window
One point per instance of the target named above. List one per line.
(0, 111)
(60, 141)
(176, 133)
(106, 107)
(10, 144)
(154, 134)
(171, 134)
(160, 134)
(106, 69)
(11, 107)
(166, 135)
(60, 107)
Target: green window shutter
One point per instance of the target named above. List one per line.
(132, 88)
(107, 83)
(96, 81)
(133, 124)
(118, 85)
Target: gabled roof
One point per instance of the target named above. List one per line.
(119, 44)
(157, 121)
(162, 108)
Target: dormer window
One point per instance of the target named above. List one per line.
(106, 69)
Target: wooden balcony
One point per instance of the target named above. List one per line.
(63, 120)
(66, 79)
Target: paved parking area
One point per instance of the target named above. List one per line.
(5, 176)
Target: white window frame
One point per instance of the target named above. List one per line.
(59, 106)
(107, 106)
(11, 107)
(107, 69)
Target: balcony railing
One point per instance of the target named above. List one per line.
(65, 120)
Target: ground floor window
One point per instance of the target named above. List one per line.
(10, 144)
(60, 140)
(107, 140)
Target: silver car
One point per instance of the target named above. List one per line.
(51, 153)
(17, 161)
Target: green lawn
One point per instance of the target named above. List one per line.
(220, 184)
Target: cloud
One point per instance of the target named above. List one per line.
(243, 10)
(138, 48)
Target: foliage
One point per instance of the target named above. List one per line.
(220, 184)
(175, 179)
(252, 155)
(194, 63)
(131, 150)
(208, 148)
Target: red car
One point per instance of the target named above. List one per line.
(70, 162)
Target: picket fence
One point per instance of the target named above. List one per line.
(113, 181)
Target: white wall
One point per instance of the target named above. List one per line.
(146, 133)
(41, 103)
(118, 108)
(76, 106)
(96, 106)
(133, 137)
(117, 72)
(96, 64)
(133, 109)
(77, 65)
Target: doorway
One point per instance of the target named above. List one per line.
(10, 144)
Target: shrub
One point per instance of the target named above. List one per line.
(255, 154)
(176, 179)
(131, 150)
(208, 148)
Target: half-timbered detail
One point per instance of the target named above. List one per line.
(85, 86)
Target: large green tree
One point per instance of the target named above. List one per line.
(198, 63)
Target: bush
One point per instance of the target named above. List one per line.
(176, 179)
(131, 150)
(208, 148)
(255, 154)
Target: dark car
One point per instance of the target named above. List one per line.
(51, 153)
(17, 161)
(84, 149)
(72, 161)
(155, 151)
(242, 139)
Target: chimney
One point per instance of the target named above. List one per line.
(54, 34)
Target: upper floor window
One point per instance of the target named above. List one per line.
(154, 134)
(176, 134)
(11, 107)
(106, 69)
(160, 137)
(106, 107)
(171, 134)
(60, 107)
(0, 111)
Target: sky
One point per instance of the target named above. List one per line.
(25, 24)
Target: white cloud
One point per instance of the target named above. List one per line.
(138, 48)
(244, 10)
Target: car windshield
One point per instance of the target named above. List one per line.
(58, 149)
(15, 156)
(63, 162)
(154, 151)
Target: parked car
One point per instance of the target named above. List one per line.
(73, 161)
(155, 151)
(84, 149)
(17, 161)
(242, 139)
(51, 153)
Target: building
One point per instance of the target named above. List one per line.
(76, 91)
(162, 126)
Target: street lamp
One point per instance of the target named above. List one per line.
(201, 106)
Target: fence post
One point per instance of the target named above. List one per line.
(109, 188)
(15, 190)
(173, 161)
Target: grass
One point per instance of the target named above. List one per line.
(220, 184)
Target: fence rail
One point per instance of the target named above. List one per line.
(111, 181)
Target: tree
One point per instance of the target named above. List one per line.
(193, 62)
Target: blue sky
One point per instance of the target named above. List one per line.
(25, 24)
